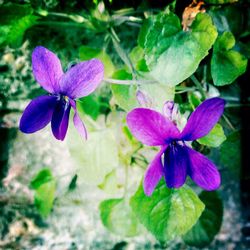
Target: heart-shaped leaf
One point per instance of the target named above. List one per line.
(227, 64)
(168, 212)
(208, 225)
(172, 54)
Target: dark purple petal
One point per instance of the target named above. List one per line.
(203, 119)
(60, 119)
(82, 79)
(154, 173)
(37, 114)
(151, 127)
(202, 171)
(79, 125)
(175, 166)
(47, 69)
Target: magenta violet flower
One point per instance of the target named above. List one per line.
(179, 160)
(64, 88)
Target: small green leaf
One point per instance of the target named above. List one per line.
(117, 216)
(227, 64)
(45, 185)
(44, 197)
(89, 105)
(172, 54)
(96, 157)
(124, 95)
(73, 184)
(42, 177)
(194, 100)
(168, 213)
(137, 58)
(230, 153)
(87, 53)
(215, 137)
(208, 225)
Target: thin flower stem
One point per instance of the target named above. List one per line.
(229, 123)
(126, 182)
(120, 51)
(128, 82)
(199, 86)
(62, 24)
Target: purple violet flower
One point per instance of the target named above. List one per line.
(64, 88)
(179, 160)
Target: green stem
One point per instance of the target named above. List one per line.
(129, 82)
(199, 86)
(229, 123)
(120, 51)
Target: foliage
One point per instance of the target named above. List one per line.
(208, 225)
(44, 185)
(169, 212)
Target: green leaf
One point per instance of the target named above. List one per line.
(117, 216)
(137, 58)
(87, 53)
(124, 95)
(96, 157)
(215, 137)
(232, 147)
(172, 54)
(73, 183)
(45, 185)
(42, 177)
(44, 197)
(208, 225)
(168, 213)
(15, 19)
(194, 100)
(89, 105)
(227, 64)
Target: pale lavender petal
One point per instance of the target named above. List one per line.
(168, 109)
(175, 166)
(154, 173)
(203, 119)
(47, 69)
(60, 119)
(79, 125)
(82, 79)
(202, 171)
(151, 127)
(144, 99)
(37, 114)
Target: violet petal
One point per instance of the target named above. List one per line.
(151, 127)
(154, 173)
(82, 79)
(202, 171)
(175, 166)
(60, 119)
(79, 125)
(37, 114)
(47, 69)
(203, 119)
